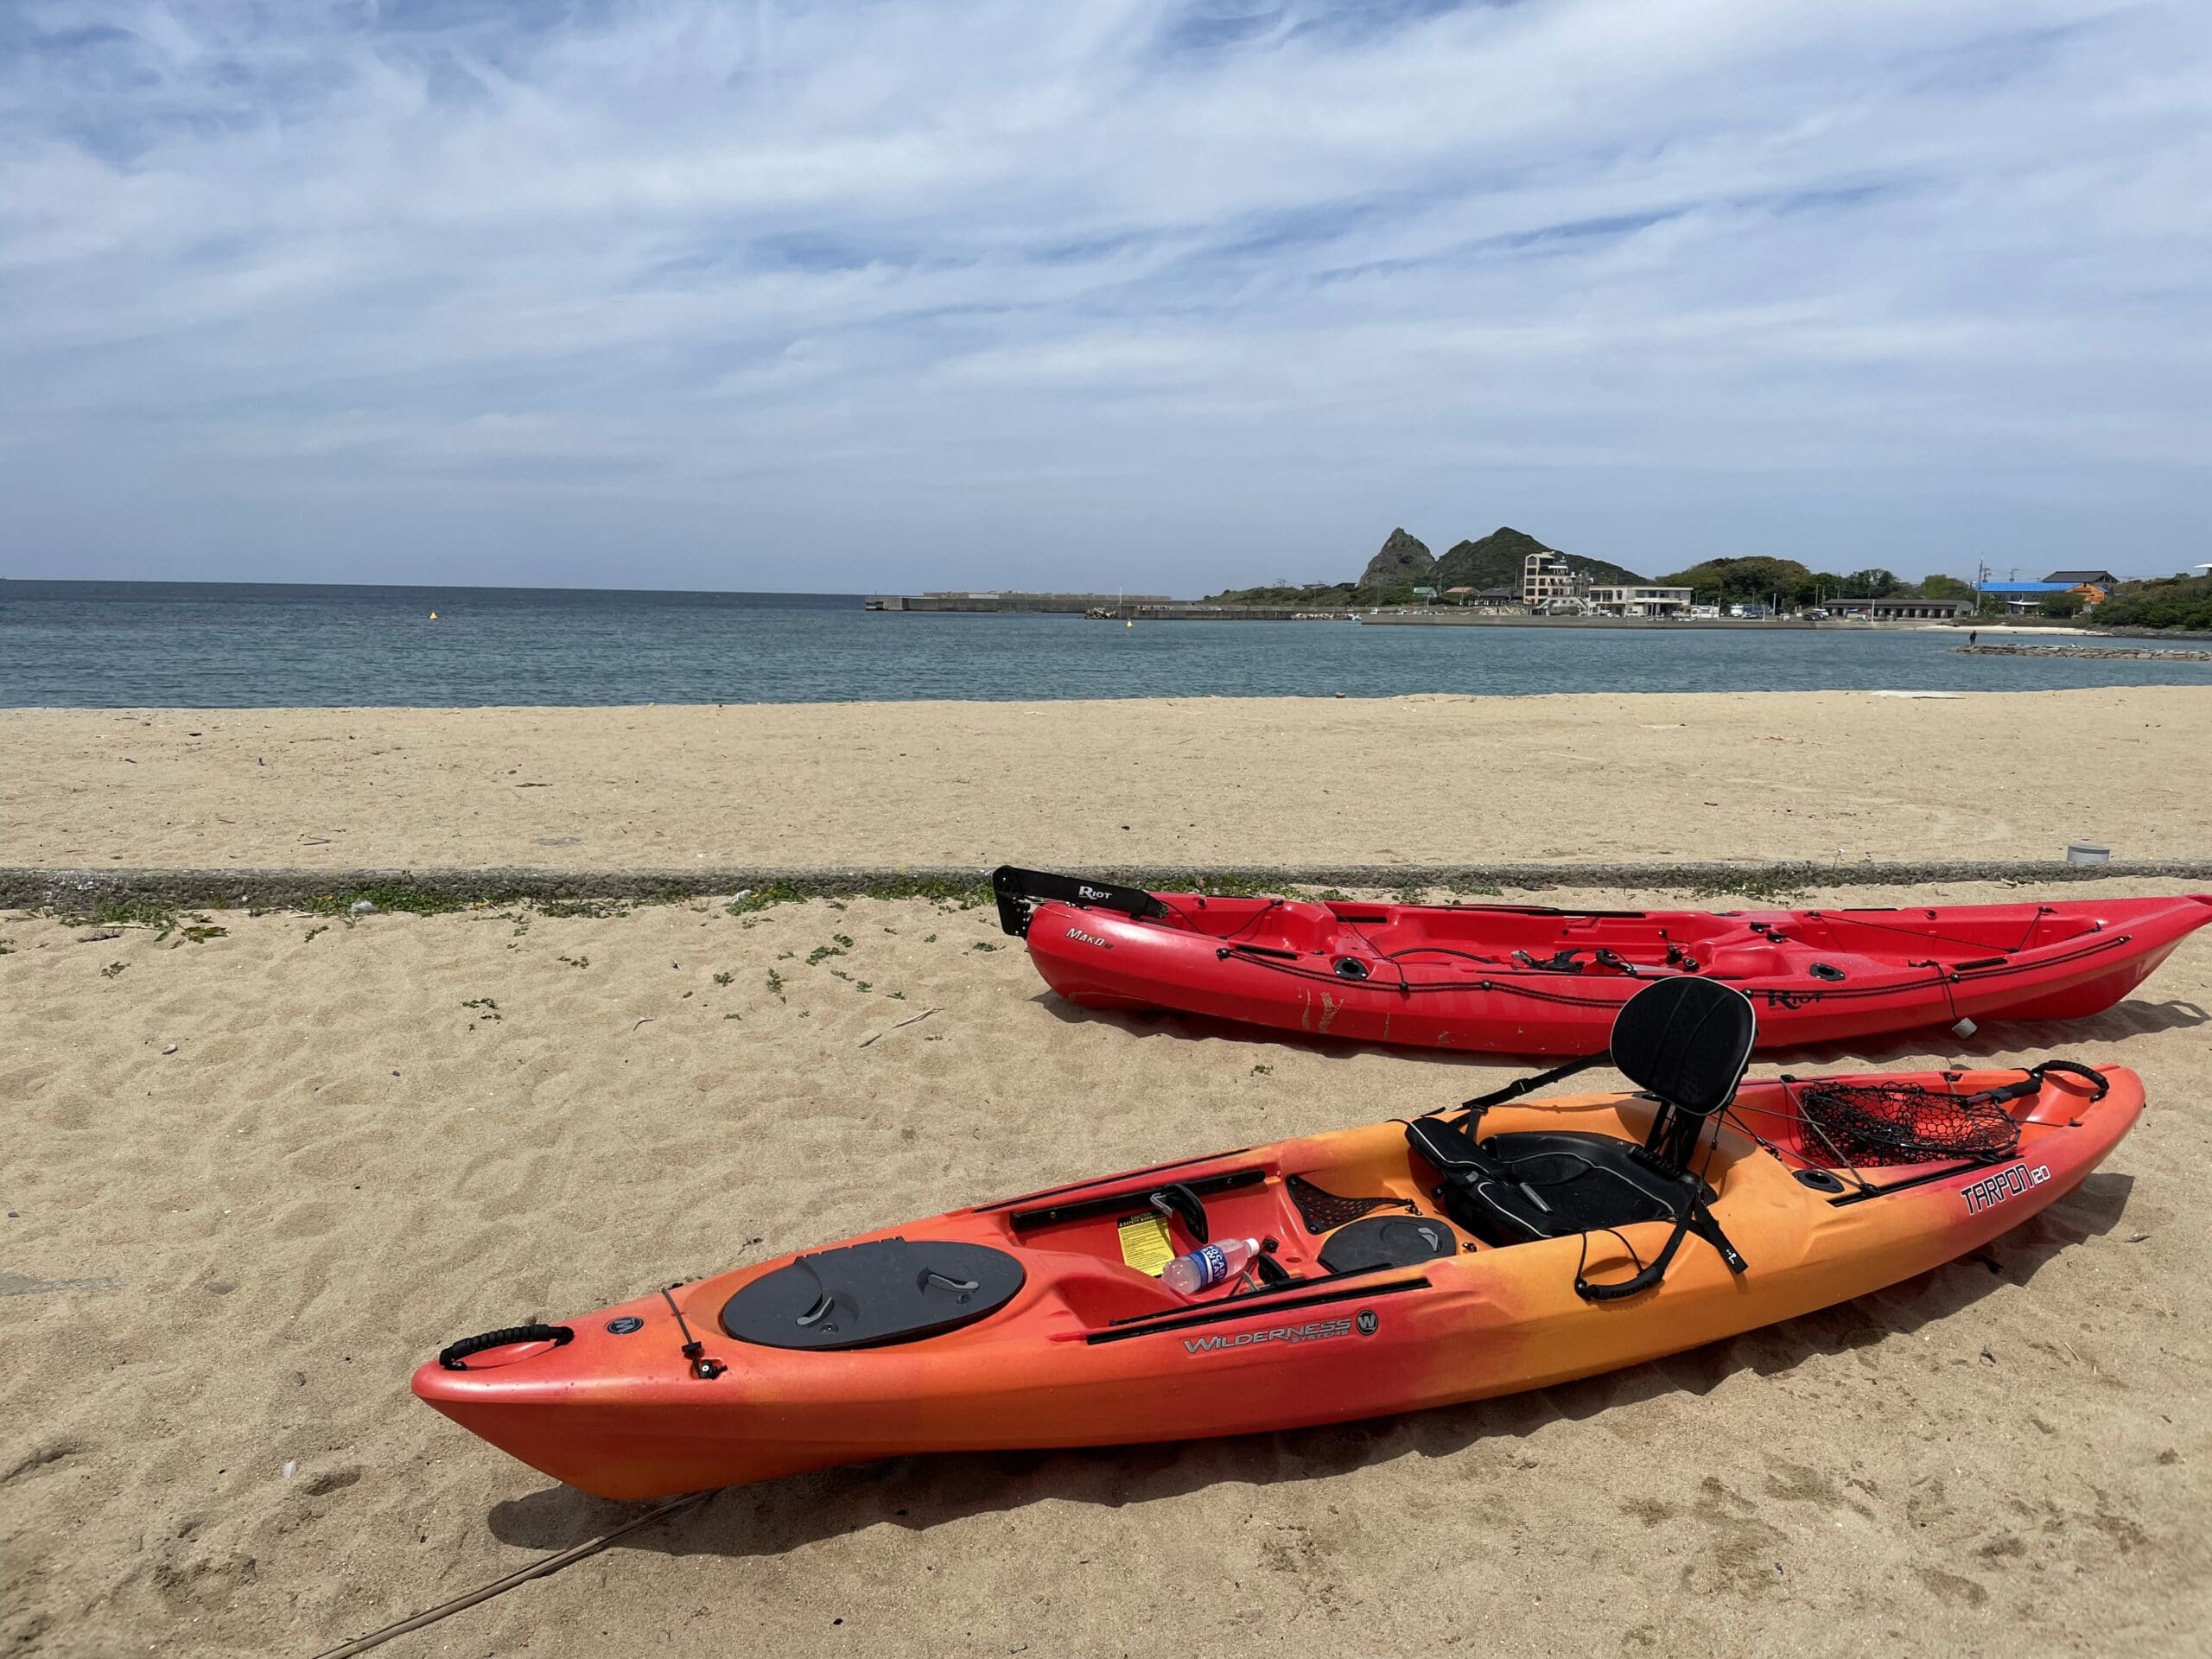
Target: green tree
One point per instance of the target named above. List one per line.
(2061, 604)
(1874, 583)
(1742, 582)
(1814, 588)
(2182, 603)
(1942, 586)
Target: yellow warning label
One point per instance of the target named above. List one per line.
(1144, 1243)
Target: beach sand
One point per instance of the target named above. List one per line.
(1435, 779)
(253, 1179)
(254, 1176)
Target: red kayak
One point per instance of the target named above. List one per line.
(1528, 979)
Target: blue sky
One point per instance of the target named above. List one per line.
(910, 294)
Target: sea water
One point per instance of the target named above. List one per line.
(195, 645)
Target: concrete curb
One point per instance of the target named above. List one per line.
(277, 889)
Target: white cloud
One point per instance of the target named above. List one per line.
(1653, 280)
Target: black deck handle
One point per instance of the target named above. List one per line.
(451, 1356)
(2075, 1068)
(1178, 1201)
(1644, 1281)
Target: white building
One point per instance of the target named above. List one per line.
(1547, 581)
(1640, 599)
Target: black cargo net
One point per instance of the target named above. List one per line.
(1882, 1124)
(1323, 1212)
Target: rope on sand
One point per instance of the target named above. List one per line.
(498, 1587)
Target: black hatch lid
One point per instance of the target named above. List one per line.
(866, 1295)
(1387, 1242)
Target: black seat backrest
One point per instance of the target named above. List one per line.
(1686, 1041)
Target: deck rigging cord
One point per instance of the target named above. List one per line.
(1796, 1116)
(1512, 974)
(1833, 917)
(537, 1569)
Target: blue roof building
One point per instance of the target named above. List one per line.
(2026, 595)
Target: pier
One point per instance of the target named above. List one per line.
(1450, 618)
(999, 603)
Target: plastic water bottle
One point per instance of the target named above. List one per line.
(1204, 1269)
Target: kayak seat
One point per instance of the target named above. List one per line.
(1537, 1183)
(1685, 1043)
(1748, 962)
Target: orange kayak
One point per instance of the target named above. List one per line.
(1528, 979)
(1407, 1266)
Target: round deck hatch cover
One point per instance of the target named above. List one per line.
(868, 1295)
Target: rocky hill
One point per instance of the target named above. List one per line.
(1405, 564)
(1496, 562)
(1404, 561)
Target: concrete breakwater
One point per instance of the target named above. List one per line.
(1455, 618)
(2115, 653)
(1198, 611)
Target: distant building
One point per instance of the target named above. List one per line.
(2027, 596)
(2104, 579)
(1640, 599)
(1547, 579)
(1903, 608)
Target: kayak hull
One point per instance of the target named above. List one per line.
(1483, 978)
(1091, 1350)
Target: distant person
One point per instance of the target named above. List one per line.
(1972, 635)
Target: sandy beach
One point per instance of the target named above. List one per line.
(253, 1176)
(1776, 776)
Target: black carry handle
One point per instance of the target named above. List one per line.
(1695, 1217)
(1019, 890)
(559, 1335)
(1178, 1200)
(1224, 952)
(1644, 1281)
(2032, 1084)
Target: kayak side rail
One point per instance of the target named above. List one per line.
(1020, 892)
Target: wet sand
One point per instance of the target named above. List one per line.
(1812, 776)
(252, 1180)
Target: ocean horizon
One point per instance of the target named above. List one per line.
(252, 644)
